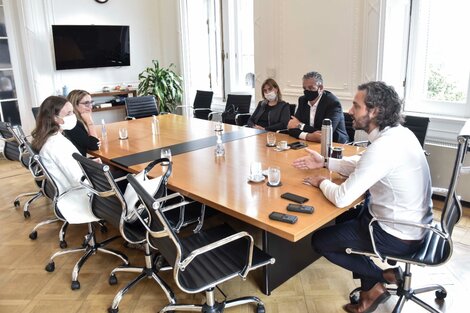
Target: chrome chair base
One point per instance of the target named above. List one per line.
(90, 247)
(34, 195)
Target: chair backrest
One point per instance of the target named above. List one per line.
(35, 112)
(11, 150)
(166, 242)
(418, 125)
(236, 104)
(138, 107)
(203, 100)
(348, 122)
(292, 108)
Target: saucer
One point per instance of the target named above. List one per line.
(268, 145)
(279, 150)
(256, 179)
(265, 173)
(278, 185)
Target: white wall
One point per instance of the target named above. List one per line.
(153, 33)
(337, 38)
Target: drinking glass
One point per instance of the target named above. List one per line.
(218, 126)
(165, 153)
(271, 139)
(256, 171)
(122, 133)
(274, 175)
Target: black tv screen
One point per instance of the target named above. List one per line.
(86, 46)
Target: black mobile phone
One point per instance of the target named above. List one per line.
(300, 208)
(281, 217)
(295, 198)
(297, 145)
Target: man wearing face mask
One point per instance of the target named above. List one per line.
(272, 113)
(314, 106)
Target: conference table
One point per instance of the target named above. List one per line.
(221, 182)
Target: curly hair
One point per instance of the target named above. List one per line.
(46, 125)
(383, 97)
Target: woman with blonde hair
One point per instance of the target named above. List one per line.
(272, 113)
(83, 135)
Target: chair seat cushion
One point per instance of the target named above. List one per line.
(218, 265)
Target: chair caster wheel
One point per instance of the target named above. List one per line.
(50, 267)
(111, 310)
(26, 214)
(260, 309)
(441, 294)
(17, 203)
(354, 296)
(63, 244)
(112, 279)
(33, 235)
(75, 285)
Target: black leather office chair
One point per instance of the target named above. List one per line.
(202, 260)
(202, 104)
(90, 246)
(237, 110)
(437, 245)
(348, 122)
(418, 125)
(138, 107)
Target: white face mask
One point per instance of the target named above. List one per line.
(270, 96)
(69, 122)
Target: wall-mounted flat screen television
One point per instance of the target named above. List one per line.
(87, 46)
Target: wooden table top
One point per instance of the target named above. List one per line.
(221, 182)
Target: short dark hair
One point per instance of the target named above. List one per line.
(315, 75)
(383, 97)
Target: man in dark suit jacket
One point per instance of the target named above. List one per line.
(315, 105)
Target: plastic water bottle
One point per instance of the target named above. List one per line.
(103, 129)
(219, 146)
(155, 126)
(326, 138)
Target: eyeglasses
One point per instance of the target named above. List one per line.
(88, 103)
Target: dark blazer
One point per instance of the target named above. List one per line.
(279, 115)
(328, 107)
(80, 138)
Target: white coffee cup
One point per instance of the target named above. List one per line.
(256, 172)
(274, 175)
(282, 145)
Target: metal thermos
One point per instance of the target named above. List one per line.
(326, 138)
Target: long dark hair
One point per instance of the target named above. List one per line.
(45, 122)
(383, 97)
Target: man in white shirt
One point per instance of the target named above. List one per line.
(395, 172)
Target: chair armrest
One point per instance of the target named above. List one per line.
(209, 116)
(127, 118)
(238, 115)
(69, 191)
(219, 243)
(361, 143)
(120, 179)
(7, 139)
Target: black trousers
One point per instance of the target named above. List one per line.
(331, 242)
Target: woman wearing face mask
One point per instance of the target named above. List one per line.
(272, 113)
(56, 115)
(83, 135)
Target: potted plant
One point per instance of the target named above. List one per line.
(162, 83)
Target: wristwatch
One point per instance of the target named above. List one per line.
(300, 126)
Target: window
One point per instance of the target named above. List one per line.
(437, 63)
(8, 99)
(218, 47)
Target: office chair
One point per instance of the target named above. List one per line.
(138, 107)
(419, 126)
(348, 122)
(79, 215)
(35, 111)
(236, 111)
(201, 260)
(437, 246)
(202, 104)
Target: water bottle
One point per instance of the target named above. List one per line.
(65, 91)
(103, 129)
(219, 146)
(326, 138)
(155, 126)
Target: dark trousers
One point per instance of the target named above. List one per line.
(331, 242)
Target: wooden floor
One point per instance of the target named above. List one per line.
(26, 287)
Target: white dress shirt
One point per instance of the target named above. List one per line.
(313, 111)
(395, 171)
(56, 155)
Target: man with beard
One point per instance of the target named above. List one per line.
(395, 172)
(315, 105)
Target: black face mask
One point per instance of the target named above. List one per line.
(311, 95)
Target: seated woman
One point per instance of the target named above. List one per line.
(272, 113)
(83, 135)
(55, 116)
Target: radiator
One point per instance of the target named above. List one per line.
(441, 163)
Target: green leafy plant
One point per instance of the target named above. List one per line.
(163, 83)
